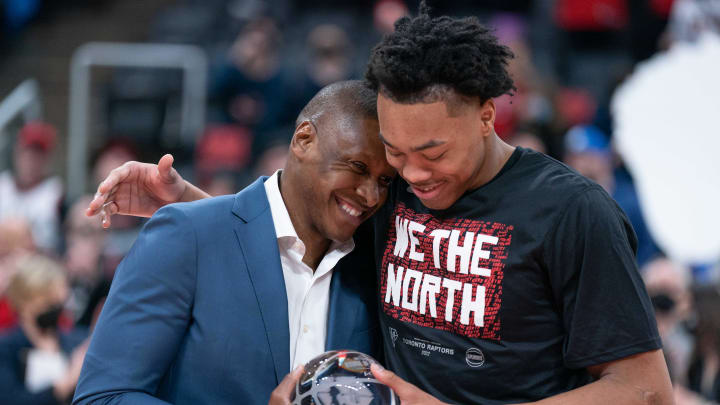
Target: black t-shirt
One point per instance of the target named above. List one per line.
(511, 292)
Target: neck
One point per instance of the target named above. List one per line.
(316, 245)
(497, 154)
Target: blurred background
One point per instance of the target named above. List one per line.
(624, 91)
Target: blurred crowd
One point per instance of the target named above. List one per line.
(267, 59)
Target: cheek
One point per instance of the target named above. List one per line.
(394, 161)
(467, 162)
(453, 169)
(338, 182)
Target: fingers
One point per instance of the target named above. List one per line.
(406, 391)
(98, 201)
(107, 187)
(107, 211)
(116, 176)
(281, 394)
(94, 207)
(165, 169)
(383, 375)
(287, 385)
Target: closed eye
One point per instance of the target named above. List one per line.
(431, 158)
(362, 167)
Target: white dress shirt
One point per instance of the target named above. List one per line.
(308, 292)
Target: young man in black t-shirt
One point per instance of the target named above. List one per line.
(504, 276)
(514, 292)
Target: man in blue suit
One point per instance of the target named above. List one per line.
(219, 298)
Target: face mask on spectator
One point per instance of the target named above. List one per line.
(662, 303)
(48, 320)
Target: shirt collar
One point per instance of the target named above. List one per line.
(278, 210)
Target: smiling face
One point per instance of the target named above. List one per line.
(344, 175)
(439, 148)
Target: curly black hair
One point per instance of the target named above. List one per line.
(426, 55)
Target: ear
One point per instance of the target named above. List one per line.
(304, 139)
(487, 117)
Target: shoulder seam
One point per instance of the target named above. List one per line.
(571, 200)
(558, 163)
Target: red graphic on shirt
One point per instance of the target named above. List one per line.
(445, 274)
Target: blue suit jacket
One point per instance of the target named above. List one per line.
(197, 312)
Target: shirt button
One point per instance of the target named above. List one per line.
(305, 329)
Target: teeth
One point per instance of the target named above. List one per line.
(426, 189)
(350, 210)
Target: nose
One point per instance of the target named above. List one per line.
(414, 174)
(370, 192)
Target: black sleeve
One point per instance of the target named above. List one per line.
(605, 308)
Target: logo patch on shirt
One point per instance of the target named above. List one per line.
(474, 357)
(393, 335)
(445, 274)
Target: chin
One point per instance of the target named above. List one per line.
(437, 204)
(337, 231)
(342, 236)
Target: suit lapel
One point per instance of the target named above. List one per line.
(256, 235)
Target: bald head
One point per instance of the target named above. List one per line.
(351, 99)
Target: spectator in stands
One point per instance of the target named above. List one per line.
(531, 102)
(40, 360)
(84, 242)
(328, 56)
(29, 191)
(247, 85)
(222, 156)
(588, 151)
(704, 371)
(668, 284)
(386, 12)
(528, 139)
(272, 158)
(112, 154)
(15, 237)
